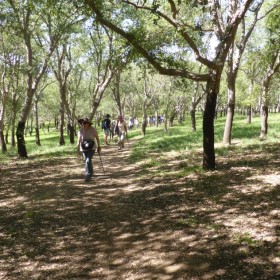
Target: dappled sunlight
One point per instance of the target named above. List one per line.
(258, 186)
(131, 224)
(254, 225)
(269, 179)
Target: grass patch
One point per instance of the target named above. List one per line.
(49, 147)
(179, 144)
(246, 239)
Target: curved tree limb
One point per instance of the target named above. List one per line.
(149, 57)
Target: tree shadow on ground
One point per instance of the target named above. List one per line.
(218, 225)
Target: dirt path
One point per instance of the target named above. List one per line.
(122, 225)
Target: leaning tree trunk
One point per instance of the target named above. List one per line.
(22, 152)
(195, 101)
(13, 129)
(32, 84)
(193, 108)
(37, 132)
(116, 91)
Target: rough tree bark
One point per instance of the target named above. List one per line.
(212, 90)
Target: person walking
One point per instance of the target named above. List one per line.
(106, 124)
(136, 122)
(87, 138)
(121, 131)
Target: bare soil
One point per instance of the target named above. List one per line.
(130, 224)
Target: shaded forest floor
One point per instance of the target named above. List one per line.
(130, 224)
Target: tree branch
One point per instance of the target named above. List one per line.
(216, 18)
(149, 57)
(180, 29)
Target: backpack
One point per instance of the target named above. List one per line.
(106, 124)
(87, 145)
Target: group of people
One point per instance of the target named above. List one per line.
(118, 127)
(88, 138)
(133, 122)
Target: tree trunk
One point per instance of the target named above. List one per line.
(13, 128)
(144, 122)
(62, 73)
(195, 101)
(56, 122)
(2, 138)
(63, 101)
(231, 80)
(193, 120)
(165, 124)
(7, 137)
(278, 105)
(143, 127)
(172, 117)
(249, 115)
(2, 142)
(228, 125)
(2, 114)
(213, 86)
(38, 142)
(230, 108)
(31, 126)
(166, 118)
(156, 116)
(208, 132)
(116, 91)
(264, 124)
(71, 130)
(26, 127)
(22, 152)
(272, 69)
(61, 125)
(264, 106)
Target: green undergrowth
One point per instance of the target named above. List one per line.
(49, 147)
(177, 152)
